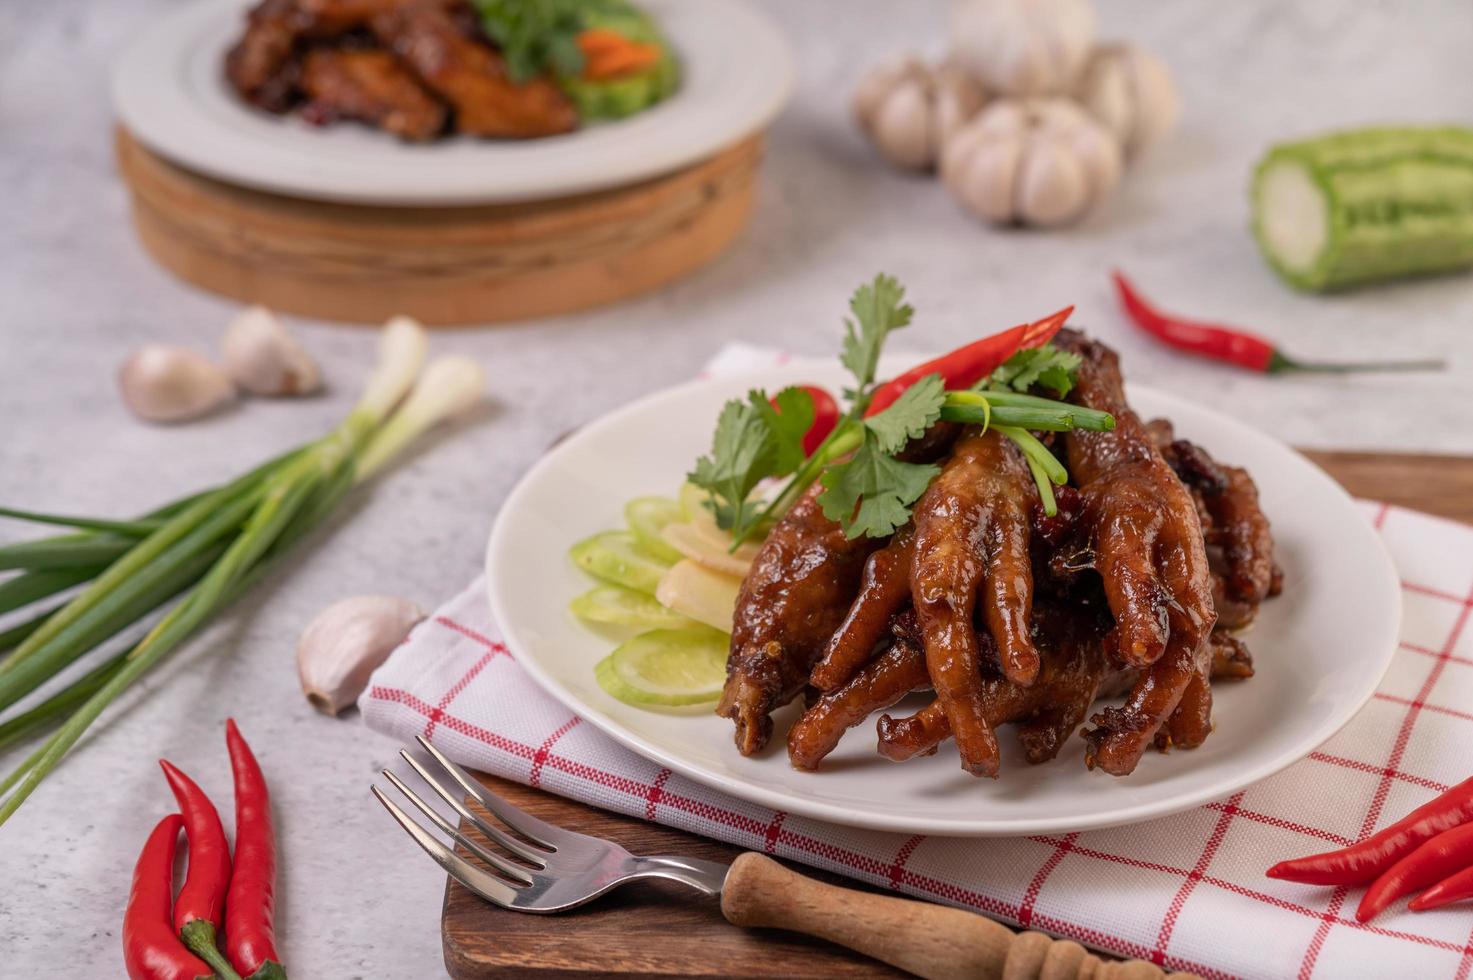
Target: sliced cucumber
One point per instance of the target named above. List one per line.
(615, 557)
(625, 607)
(667, 667)
(647, 517)
(693, 501)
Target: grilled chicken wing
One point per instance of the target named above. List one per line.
(801, 583)
(371, 87)
(471, 76)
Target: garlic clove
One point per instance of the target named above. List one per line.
(901, 127)
(1053, 188)
(1156, 106)
(171, 384)
(264, 358)
(345, 644)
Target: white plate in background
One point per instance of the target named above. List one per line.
(169, 90)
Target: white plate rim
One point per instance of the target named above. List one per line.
(155, 99)
(901, 822)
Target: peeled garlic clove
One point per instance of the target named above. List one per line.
(265, 359)
(345, 644)
(172, 384)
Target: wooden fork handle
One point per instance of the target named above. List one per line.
(924, 939)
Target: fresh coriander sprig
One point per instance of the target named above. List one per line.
(867, 488)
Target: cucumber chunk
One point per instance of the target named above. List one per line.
(624, 607)
(615, 557)
(647, 517)
(671, 667)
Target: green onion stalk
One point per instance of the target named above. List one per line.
(198, 553)
(1013, 414)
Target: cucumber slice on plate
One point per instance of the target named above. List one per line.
(615, 557)
(647, 517)
(624, 607)
(670, 668)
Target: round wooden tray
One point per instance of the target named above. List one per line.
(446, 266)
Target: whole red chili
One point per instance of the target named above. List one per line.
(199, 909)
(1432, 862)
(1367, 859)
(1453, 888)
(250, 939)
(1234, 346)
(825, 417)
(151, 950)
(968, 365)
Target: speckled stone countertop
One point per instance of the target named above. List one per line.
(77, 292)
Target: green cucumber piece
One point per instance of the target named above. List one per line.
(615, 557)
(668, 667)
(647, 517)
(619, 606)
(1364, 205)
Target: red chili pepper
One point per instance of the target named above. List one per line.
(825, 417)
(151, 950)
(1234, 346)
(1453, 888)
(1432, 862)
(199, 909)
(250, 938)
(1367, 859)
(968, 365)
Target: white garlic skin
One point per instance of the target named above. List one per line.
(263, 358)
(1039, 162)
(1022, 47)
(346, 642)
(160, 383)
(909, 109)
(1130, 92)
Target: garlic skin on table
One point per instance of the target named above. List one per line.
(1130, 92)
(345, 644)
(1040, 162)
(172, 384)
(909, 109)
(1022, 47)
(265, 359)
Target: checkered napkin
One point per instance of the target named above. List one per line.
(1187, 892)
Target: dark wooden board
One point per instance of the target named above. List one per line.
(659, 930)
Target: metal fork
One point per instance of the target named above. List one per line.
(554, 869)
(549, 869)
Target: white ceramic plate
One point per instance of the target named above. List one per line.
(1320, 649)
(169, 90)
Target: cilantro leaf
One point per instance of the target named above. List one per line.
(873, 492)
(878, 309)
(1043, 367)
(535, 34)
(753, 441)
(909, 416)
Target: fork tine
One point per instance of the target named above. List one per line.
(513, 871)
(523, 823)
(489, 887)
(522, 850)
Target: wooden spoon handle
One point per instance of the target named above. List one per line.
(927, 940)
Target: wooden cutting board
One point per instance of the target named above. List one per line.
(442, 265)
(656, 929)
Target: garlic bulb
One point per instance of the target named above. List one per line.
(908, 109)
(1022, 47)
(1129, 90)
(171, 384)
(264, 359)
(345, 644)
(1042, 162)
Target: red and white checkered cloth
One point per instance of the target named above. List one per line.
(1187, 892)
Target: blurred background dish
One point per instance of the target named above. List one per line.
(171, 93)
